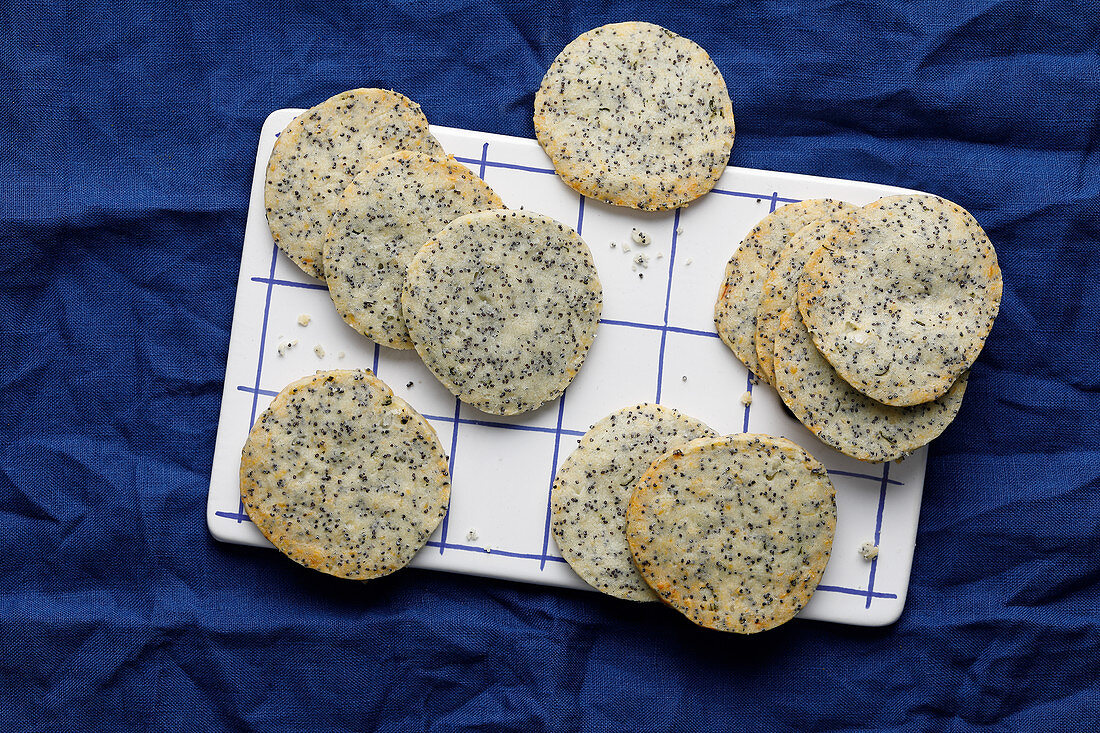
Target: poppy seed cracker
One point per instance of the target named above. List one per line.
(318, 154)
(635, 115)
(344, 477)
(593, 486)
(841, 416)
(735, 309)
(382, 219)
(780, 288)
(734, 532)
(902, 302)
(502, 307)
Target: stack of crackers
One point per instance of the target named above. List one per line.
(417, 252)
(732, 531)
(865, 319)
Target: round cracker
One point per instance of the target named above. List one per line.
(841, 416)
(382, 220)
(901, 303)
(734, 532)
(735, 309)
(318, 154)
(502, 307)
(780, 288)
(344, 477)
(635, 115)
(593, 486)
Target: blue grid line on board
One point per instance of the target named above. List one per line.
(451, 474)
(566, 431)
(263, 330)
(289, 283)
(239, 517)
(774, 198)
(483, 163)
(490, 551)
(654, 327)
(668, 303)
(550, 489)
(854, 591)
(260, 358)
(878, 531)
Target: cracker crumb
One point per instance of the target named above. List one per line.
(660, 255)
(304, 319)
(340, 355)
(488, 549)
(612, 245)
(641, 260)
(626, 247)
(688, 262)
(868, 550)
(319, 351)
(679, 231)
(639, 237)
(286, 344)
(471, 535)
(746, 399)
(684, 378)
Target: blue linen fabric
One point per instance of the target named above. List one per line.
(126, 152)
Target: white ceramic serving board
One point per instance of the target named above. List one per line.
(656, 343)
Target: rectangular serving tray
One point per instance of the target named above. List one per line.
(656, 343)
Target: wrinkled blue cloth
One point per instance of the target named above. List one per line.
(126, 156)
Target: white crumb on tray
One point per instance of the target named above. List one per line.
(746, 399)
(639, 237)
(641, 260)
(471, 535)
(340, 355)
(688, 261)
(684, 378)
(319, 351)
(285, 344)
(679, 231)
(625, 247)
(612, 245)
(868, 550)
(304, 319)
